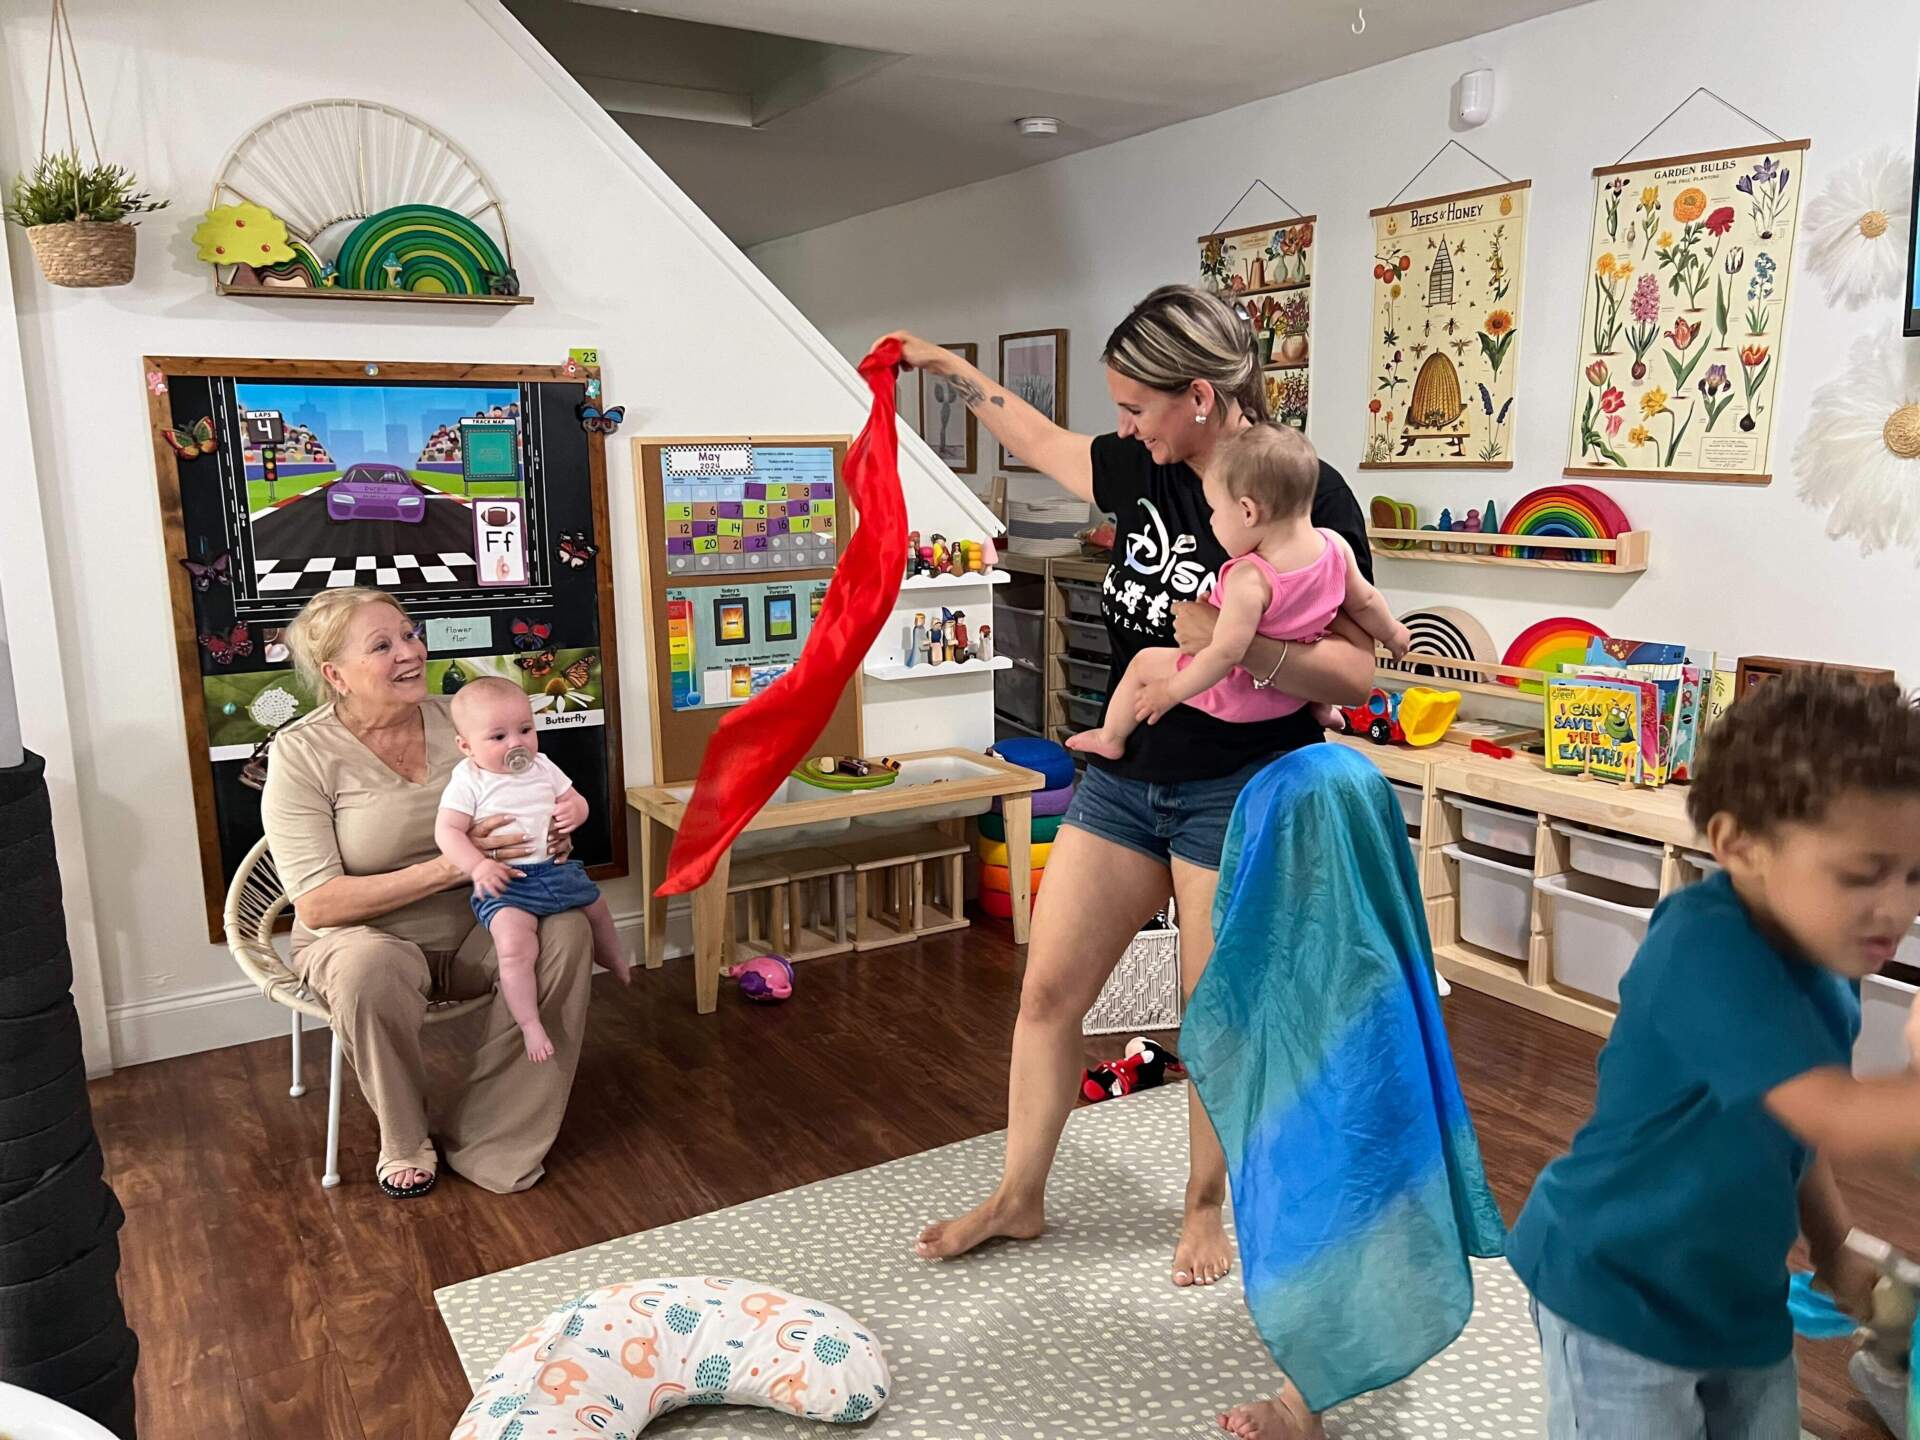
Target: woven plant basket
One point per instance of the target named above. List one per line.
(84, 253)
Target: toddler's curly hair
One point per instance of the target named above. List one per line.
(1785, 750)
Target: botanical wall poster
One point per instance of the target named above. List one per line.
(1686, 299)
(1269, 270)
(1446, 329)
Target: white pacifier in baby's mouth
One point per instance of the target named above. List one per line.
(518, 759)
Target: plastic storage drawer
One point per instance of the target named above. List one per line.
(1885, 1004)
(1613, 857)
(1597, 928)
(1020, 634)
(1084, 711)
(1082, 601)
(1089, 638)
(1089, 675)
(1412, 801)
(1496, 903)
(1020, 693)
(1513, 832)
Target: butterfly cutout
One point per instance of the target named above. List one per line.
(575, 549)
(223, 648)
(579, 672)
(156, 382)
(594, 420)
(539, 666)
(218, 571)
(192, 443)
(531, 635)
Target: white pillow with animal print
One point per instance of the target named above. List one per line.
(608, 1364)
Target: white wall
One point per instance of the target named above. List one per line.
(693, 339)
(1077, 241)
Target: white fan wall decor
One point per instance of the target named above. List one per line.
(324, 167)
(1859, 457)
(1856, 229)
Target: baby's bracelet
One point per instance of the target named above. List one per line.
(1267, 684)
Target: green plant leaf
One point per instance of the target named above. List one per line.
(60, 190)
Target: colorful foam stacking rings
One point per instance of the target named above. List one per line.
(422, 248)
(1547, 646)
(1577, 511)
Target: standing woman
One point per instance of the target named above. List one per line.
(1183, 374)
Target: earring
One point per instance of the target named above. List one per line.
(1199, 417)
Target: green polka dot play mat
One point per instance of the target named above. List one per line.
(1078, 1336)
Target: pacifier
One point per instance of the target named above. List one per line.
(519, 758)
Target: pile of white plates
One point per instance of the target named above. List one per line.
(1047, 526)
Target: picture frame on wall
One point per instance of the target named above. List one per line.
(1756, 670)
(1033, 365)
(946, 423)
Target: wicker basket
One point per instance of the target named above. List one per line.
(84, 253)
(1143, 993)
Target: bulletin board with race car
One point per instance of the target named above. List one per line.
(476, 494)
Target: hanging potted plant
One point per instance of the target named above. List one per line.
(77, 218)
(76, 215)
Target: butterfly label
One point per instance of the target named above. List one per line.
(499, 542)
(194, 441)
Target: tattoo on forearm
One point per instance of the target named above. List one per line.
(966, 389)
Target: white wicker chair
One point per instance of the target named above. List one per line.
(255, 902)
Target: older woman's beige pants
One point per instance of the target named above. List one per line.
(496, 1126)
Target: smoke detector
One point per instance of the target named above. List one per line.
(1037, 125)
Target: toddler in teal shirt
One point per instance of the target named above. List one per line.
(1656, 1249)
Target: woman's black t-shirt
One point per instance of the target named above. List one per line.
(1164, 553)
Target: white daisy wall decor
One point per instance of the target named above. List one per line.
(1859, 457)
(1857, 228)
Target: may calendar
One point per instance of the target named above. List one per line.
(747, 508)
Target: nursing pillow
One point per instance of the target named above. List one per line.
(610, 1363)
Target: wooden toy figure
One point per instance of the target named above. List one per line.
(926, 560)
(913, 553)
(957, 560)
(961, 650)
(983, 647)
(975, 561)
(939, 556)
(936, 642)
(916, 637)
(947, 625)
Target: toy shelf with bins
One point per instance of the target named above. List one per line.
(1537, 799)
(1048, 621)
(1627, 553)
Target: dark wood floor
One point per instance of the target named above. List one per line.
(268, 1308)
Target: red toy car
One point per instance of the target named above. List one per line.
(1378, 719)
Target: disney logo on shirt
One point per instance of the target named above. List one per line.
(1162, 573)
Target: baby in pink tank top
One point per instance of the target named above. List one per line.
(1285, 580)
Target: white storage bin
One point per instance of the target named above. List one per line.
(1885, 1004)
(1517, 832)
(1909, 951)
(1412, 803)
(1496, 903)
(1597, 928)
(1143, 992)
(1613, 857)
(1704, 863)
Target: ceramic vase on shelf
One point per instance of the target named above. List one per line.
(1293, 349)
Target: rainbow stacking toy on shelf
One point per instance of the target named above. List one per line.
(1578, 511)
(1053, 762)
(1558, 516)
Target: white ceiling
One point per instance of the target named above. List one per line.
(816, 110)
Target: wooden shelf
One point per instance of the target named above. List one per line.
(1629, 550)
(956, 582)
(411, 297)
(1492, 669)
(1287, 365)
(935, 672)
(1506, 980)
(1284, 285)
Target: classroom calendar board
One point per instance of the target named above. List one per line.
(739, 535)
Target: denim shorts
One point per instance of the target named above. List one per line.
(1186, 821)
(544, 889)
(1598, 1391)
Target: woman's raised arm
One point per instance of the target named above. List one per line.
(1062, 455)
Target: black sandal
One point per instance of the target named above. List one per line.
(408, 1192)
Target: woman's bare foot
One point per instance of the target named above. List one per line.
(1096, 742)
(1204, 1253)
(993, 1219)
(407, 1179)
(1285, 1417)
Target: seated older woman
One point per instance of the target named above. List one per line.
(384, 925)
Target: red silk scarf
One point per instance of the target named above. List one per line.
(757, 745)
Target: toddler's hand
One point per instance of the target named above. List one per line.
(1155, 700)
(1399, 641)
(539, 1047)
(569, 812)
(1850, 1277)
(490, 877)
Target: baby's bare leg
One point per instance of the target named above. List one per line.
(606, 941)
(516, 940)
(1109, 740)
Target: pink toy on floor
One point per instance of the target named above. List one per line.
(764, 980)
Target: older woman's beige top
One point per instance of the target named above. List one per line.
(332, 807)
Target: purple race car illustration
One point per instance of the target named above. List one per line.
(377, 492)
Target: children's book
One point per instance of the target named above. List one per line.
(1602, 650)
(1605, 727)
(1679, 687)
